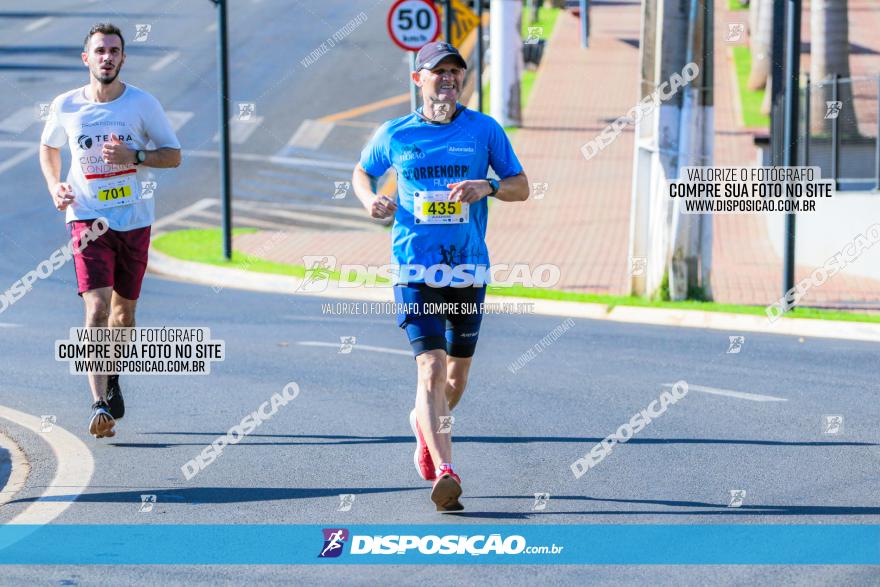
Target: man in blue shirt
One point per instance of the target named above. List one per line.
(442, 154)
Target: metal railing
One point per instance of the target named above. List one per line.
(840, 130)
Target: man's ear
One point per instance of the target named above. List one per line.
(85, 58)
(416, 77)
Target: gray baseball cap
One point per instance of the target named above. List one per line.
(433, 53)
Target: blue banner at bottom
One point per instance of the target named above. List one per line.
(636, 544)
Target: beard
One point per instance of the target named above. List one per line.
(107, 79)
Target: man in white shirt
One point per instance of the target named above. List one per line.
(113, 130)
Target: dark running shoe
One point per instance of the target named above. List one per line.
(102, 421)
(114, 397)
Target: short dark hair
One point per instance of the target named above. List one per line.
(104, 28)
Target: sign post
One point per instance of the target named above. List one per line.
(412, 24)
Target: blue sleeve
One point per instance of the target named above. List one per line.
(376, 156)
(501, 156)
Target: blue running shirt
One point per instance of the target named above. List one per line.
(427, 156)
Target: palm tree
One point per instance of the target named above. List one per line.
(760, 39)
(829, 55)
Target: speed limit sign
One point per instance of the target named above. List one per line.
(413, 23)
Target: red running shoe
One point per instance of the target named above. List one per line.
(422, 457)
(447, 490)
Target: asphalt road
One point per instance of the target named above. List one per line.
(347, 432)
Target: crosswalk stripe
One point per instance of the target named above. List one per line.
(310, 134)
(169, 58)
(318, 219)
(241, 219)
(284, 161)
(255, 213)
(20, 120)
(178, 118)
(38, 24)
(177, 217)
(356, 213)
(18, 158)
(241, 130)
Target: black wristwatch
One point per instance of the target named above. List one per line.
(140, 157)
(493, 183)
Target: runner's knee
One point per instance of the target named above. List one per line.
(123, 317)
(97, 311)
(432, 369)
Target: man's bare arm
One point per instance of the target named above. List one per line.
(514, 188)
(364, 186)
(50, 164)
(162, 158)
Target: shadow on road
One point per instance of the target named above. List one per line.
(341, 439)
(198, 495)
(722, 508)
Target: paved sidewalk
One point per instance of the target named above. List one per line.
(582, 221)
(746, 269)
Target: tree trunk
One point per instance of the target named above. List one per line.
(829, 55)
(761, 46)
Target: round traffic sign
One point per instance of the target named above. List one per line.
(413, 24)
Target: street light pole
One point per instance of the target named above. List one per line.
(792, 91)
(225, 172)
(478, 62)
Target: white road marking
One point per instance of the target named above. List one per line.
(9, 325)
(169, 58)
(286, 161)
(361, 347)
(178, 118)
(20, 120)
(75, 466)
(755, 397)
(244, 220)
(205, 209)
(202, 204)
(38, 24)
(300, 216)
(211, 27)
(309, 135)
(241, 130)
(18, 158)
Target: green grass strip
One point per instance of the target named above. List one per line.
(750, 100)
(204, 246)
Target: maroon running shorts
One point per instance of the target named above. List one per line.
(116, 259)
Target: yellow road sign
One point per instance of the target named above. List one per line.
(463, 21)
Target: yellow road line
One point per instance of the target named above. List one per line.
(371, 107)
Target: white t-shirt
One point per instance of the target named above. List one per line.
(101, 189)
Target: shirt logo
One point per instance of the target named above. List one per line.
(84, 142)
(462, 148)
(411, 153)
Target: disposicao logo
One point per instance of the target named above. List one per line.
(334, 540)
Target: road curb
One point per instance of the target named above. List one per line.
(220, 278)
(19, 466)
